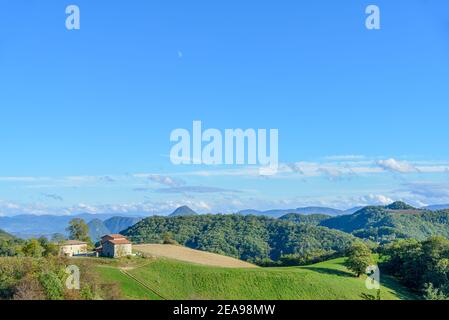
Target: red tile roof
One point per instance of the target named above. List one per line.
(119, 241)
(114, 236)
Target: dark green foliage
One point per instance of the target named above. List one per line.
(33, 248)
(380, 224)
(168, 239)
(422, 266)
(9, 245)
(249, 238)
(52, 285)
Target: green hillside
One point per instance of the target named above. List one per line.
(4, 236)
(397, 221)
(169, 279)
(244, 237)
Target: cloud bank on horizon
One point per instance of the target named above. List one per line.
(341, 182)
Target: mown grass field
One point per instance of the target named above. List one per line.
(171, 279)
(193, 256)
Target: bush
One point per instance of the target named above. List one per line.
(52, 286)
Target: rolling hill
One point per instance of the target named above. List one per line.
(305, 211)
(398, 220)
(183, 211)
(243, 237)
(189, 255)
(175, 280)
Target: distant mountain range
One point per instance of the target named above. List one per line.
(99, 228)
(437, 207)
(306, 211)
(32, 226)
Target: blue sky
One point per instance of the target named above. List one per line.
(87, 114)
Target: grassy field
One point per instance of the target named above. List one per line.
(131, 288)
(170, 279)
(192, 256)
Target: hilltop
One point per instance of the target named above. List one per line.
(276, 213)
(183, 211)
(386, 223)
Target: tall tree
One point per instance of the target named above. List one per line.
(78, 230)
(359, 258)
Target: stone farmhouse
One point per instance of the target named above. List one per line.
(72, 248)
(114, 246)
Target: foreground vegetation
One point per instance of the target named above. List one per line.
(24, 278)
(421, 266)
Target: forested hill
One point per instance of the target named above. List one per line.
(313, 219)
(392, 222)
(244, 237)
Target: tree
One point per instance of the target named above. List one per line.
(168, 238)
(78, 230)
(359, 258)
(33, 249)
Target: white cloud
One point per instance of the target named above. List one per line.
(375, 199)
(166, 180)
(349, 157)
(397, 166)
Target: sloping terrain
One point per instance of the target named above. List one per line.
(189, 255)
(396, 221)
(244, 237)
(170, 280)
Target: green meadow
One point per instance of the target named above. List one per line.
(171, 280)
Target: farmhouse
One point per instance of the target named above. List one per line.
(72, 248)
(115, 246)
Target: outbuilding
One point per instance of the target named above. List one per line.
(115, 246)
